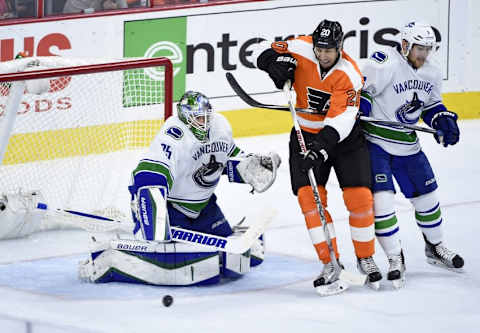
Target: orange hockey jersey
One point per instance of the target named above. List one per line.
(333, 100)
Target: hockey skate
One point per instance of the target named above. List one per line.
(439, 255)
(396, 271)
(328, 283)
(368, 267)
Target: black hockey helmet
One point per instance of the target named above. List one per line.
(328, 35)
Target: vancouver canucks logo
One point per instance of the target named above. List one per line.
(409, 113)
(208, 174)
(318, 100)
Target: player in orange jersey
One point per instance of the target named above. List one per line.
(327, 82)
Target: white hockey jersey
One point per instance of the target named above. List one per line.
(193, 169)
(397, 92)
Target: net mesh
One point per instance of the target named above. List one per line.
(78, 142)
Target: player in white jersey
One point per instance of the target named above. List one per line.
(405, 86)
(173, 185)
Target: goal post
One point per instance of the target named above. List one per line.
(75, 128)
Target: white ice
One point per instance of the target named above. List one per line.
(40, 292)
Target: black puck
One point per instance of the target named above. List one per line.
(167, 300)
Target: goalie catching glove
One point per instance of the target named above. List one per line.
(257, 170)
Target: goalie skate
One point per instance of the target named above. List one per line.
(368, 267)
(439, 255)
(328, 283)
(396, 271)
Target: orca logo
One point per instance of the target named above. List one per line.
(409, 113)
(318, 100)
(208, 174)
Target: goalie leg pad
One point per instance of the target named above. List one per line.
(19, 215)
(170, 264)
(257, 251)
(235, 265)
(149, 212)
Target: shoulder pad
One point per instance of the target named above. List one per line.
(175, 132)
(379, 57)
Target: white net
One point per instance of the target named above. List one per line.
(78, 142)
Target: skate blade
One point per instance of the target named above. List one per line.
(374, 285)
(399, 283)
(438, 263)
(334, 288)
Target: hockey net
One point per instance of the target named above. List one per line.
(77, 139)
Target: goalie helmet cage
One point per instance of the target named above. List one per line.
(75, 129)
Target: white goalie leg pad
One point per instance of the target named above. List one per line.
(257, 251)
(259, 171)
(149, 210)
(235, 265)
(172, 264)
(19, 215)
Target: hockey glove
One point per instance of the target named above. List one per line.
(260, 171)
(445, 123)
(279, 66)
(319, 149)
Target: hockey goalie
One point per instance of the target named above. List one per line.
(172, 187)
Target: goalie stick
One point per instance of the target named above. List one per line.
(238, 244)
(252, 102)
(342, 274)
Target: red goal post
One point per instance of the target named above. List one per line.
(75, 128)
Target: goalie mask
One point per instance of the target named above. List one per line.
(195, 111)
(418, 33)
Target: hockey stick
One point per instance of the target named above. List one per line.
(398, 124)
(238, 244)
(252, 102)
(348, 277)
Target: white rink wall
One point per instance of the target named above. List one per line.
(217, 39)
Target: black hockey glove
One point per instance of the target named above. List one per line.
(319, 149)
(279, 66)
(445, 122)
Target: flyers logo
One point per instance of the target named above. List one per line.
(280, 47)
(318, 100)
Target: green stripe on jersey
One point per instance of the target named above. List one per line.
(388, 133)
(194, 207)
(154, 167)
(235, 152)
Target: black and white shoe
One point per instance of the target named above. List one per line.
(368, 267)
(396, 270)
(328, 282)
(439, 255)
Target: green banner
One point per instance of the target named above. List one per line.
(155, 38)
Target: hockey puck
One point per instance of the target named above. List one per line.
(167, 300)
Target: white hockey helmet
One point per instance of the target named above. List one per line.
(195, 111)
(418, 33)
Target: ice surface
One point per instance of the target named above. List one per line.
(39, 291)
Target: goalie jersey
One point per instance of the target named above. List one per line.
(395, 91)
(188, 168)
